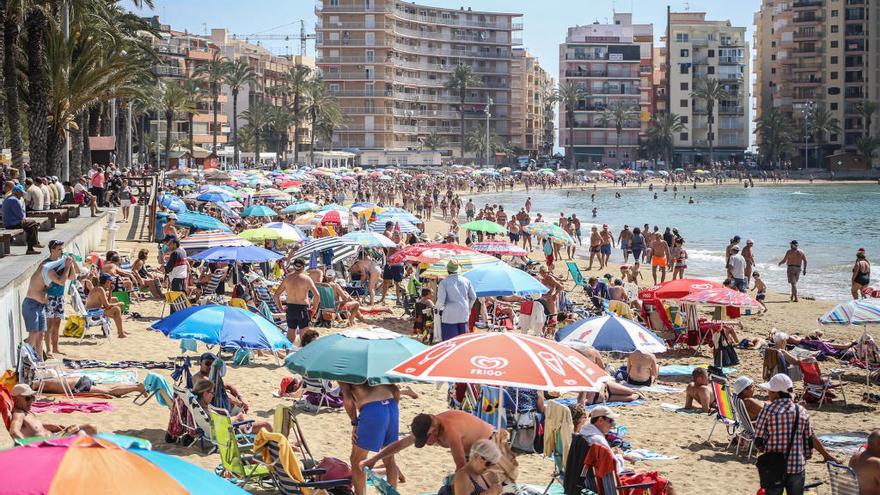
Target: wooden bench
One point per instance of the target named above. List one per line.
(6, 236)
(58, 215)
(72, 210)
(44, 218)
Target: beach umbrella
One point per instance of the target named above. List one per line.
(355, 355)
(342, 248)
(721, 297)
(502, 248)
(485, 226)
(289, 232)
(337, 217)
(172, 203)
(399, 224)
(264, 234)
(237, 254)
(466, 262)
(427, 252)
(595, 172)
(501, 279)
(300, 207)
(81, 465)
(856, 312)
(226, 326)
(211, 238)
(370, 239)
(663, 173)
(185, 182)
(200, 221)
(215, 197)
(292, 190)
(258, 211)
(677, 289)
(333, 206)
(546, 229)
(678, 170)
(505, 359)
(307, 219)
(396, 216)
(610, 333)
(179, 173)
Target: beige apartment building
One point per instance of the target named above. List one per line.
(613, 62)
(818, 54)
(387, 61)
(697, 49)
(530, 85)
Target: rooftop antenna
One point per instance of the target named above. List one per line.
(205, 28)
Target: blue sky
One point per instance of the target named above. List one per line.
(545, 21)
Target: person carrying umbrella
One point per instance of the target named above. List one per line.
(297, 285)
(455, 297)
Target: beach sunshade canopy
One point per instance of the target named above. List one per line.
(342, 248)
(553, 232)
(226, 326)
(502, 248)
(185, 182)
(237, 254)
(336, 217)
(300, 207)
(370, 239)
(172, 203)
(425, 252)
(485, 226)
(721, 297)
(505, 359)
(355, 355)
(860, 312)
(201, 221)
(80, 465)
(215, 197)
(501, 279)
(258, 211)
(677, 289)
(404, 226)
(610, 333)
(211, 238)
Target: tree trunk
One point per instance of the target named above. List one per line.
(169, 119)
(617, 149)
(10, 81)
(36, 24)
(312, 139)
(572, 163)
(711, 120)
(54, 150)
(296, 110)
(85, 132)
(256, 146)
(191, 134)
(461, 131)
(235, 126)
(76, 147)
(215, 91)
(143, 154)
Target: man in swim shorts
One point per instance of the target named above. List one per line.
(623, 239)
(659, 257)
(794, 258)
(375, 421)
(297, 285)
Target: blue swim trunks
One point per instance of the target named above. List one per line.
(605, 249)
(378, 425)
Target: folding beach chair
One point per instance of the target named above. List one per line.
(231, 439)
(318, 387)
(176, 300)
(209, 293)
(328, 312)
(273, 449)
(279, 320)
(262, 294)
(843, 479)
(195, 419)
(92, 318)
(609, 483)
(724, 414)
(379, 483)
(745, 432)
(32, 370)
(818, 388)
(575, 273)
(558, 469)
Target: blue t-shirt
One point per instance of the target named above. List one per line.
(13, 211)
(548, 248)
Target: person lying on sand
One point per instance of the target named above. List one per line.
(698, 390)
(25, 424)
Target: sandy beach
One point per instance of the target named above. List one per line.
(700, 467)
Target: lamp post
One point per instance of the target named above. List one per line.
(488, 114)
(808, 112)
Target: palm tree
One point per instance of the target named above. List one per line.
(296, 82)
(461, 79)
(280, 120)
(434, 141)
(10, 19)
(36, 24)
(711, 91)
(823, 122)
(238, 74)
(476, 141)
(868, 146)
(867, 109)
(318, 101)
(246, 138)
(775, 130)
(258, 120)
(662, 132)
(330, 119)
(175, 101)
(618, 114)
(214, 73)
(195, 94)
(569, 96)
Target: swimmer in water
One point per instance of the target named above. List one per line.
(691, 200)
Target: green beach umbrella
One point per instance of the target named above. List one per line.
(258, 211)
(485, 226)
(356, 355)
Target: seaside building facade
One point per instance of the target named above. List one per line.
(818, 54)
(613, 63)
(388, 61)
(697, 49)
(530, 85)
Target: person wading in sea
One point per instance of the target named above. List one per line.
(794, 258)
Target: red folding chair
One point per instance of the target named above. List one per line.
(819, 389)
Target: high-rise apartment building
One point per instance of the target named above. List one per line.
(530, 84)
(388, 61)
(820, 54)
(701, 49)
(613, 63)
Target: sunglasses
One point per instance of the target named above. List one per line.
(488, 462)
(610, 420)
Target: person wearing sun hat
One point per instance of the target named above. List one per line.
(455, 297)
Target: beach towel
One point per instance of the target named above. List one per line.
(61, 406)
(680, 409)
(656, 388)
(847, 443)
(687, 369)
(650, 455)
(93, 363)
(189, 345)
(489, 403)
(567, 401)
(156, 383)
(375, 311)
(106, 376)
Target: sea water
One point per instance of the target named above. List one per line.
(830, 222)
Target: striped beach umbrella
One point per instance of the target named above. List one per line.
(369, 239)
(81, 465)
(722, 297)
(399, 224)
(610, 333)
(342, 248)
(425, 252)
(211, 238)
(466, 262)
(485, 226)
(857, 312)
(503, 248)
(553, 232)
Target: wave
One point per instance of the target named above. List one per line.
(706, 255)
(799, 193)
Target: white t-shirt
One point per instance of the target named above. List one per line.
(47, 196)
(34, 198)
(737, 266)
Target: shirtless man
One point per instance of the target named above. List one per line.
(660, 257)
(698, 390)
(34, 305)
(750, 259)
(375, 420)
(369, 272)
(513, 229)
(297, 285)
(794, 259)
(554, 287)
(98, 299)
(344, 301)
(623, 240)
(641, 369)
(595, 247)
(867, 465)
(606, 245)
(576, 223)
(25, 425)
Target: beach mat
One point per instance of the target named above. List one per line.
(568, 401)
(680, 409)
(650, 455)
(656, 388)
(687, 369)
(847, 443)
(106, 376)
(62, 406)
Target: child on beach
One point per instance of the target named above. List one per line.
(634, 274)
(423, 317)
(761, 289)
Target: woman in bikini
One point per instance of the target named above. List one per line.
(476, 477)
(861, 273)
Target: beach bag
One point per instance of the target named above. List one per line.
(725, 353)
(772, 465)
(241, 357)
(335, 469)
(74, 327)
(525, 429)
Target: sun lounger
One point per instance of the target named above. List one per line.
(93, 318)
(231, 439)
(575, 273)
(156, 386)
(843, 479)
(32, 370)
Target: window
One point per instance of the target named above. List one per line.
(684, 52)
(334, 88)
(682, 37)
(370, 55)
(834, 60)
(612, 153)
(834, 137)
(773, 57)
(835, 13)
(773, 44)
(711, 53)
(833, 91)
(683, 136)
(834, 44)
(835, 28)
(711, 70)
(773, 70)
(683, 103)
(626, 154)
(684, 119)
(684, 68)
(684, 86)
(834, 75)
(834, 106)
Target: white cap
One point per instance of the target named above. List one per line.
(330, 273)
(779, 382)
(603, 411)
(172, 216)
(741, 384)
(22, 390)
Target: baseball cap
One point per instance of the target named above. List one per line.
(603, 411)
(794, 243)
(19, 188)
(736, 238)
(23, 390)
(55, 243)
(750, 241)
(330, 273)
(779, 382)
(420, 426)
(734, 249)
(106, 278)
(299, 264)
(172, 217)
(741, 384)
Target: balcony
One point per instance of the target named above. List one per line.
(438, 52)
(731, 110)
(806, 4)
(730, 77)
(365, 111)
(354, 26)
(355, 76)
(358, 42)
(602, 73)
(450, 20)
(730, 60)
(808, 35)
(354, 8)
(813, 19)
(170, 49)
(168, 71)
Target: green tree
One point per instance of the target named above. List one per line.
(318, 102)
(461, 79)
(296, 83)
(175, 101)
(238, 74)
(664, 127)
(214, 73)
(569, 96)
(280, 120)
(867, 109)
(868, 146)
(36, 25)
(775, 130)
(11, 15)
(434, 141)
(330, 119)
(476, 142)
(711, 91)
(822, 123)
(195, 95)
(258, 120)
(619, 114)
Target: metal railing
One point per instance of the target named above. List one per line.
(425, 50)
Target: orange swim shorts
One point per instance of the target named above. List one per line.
(658, 261)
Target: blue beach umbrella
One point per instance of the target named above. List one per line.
(258, 211)
(215, 197)
(393, 214)
(173, 203)
(357, 355)
(501, 279)
(226, 326)
(201, 221)
(185, 182)
(611, 333)
(237, 254)
(333, 206)
(368, 239)
(405, 226)
(300, 207)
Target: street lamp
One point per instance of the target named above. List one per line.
(488, 114)
(807, 110)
